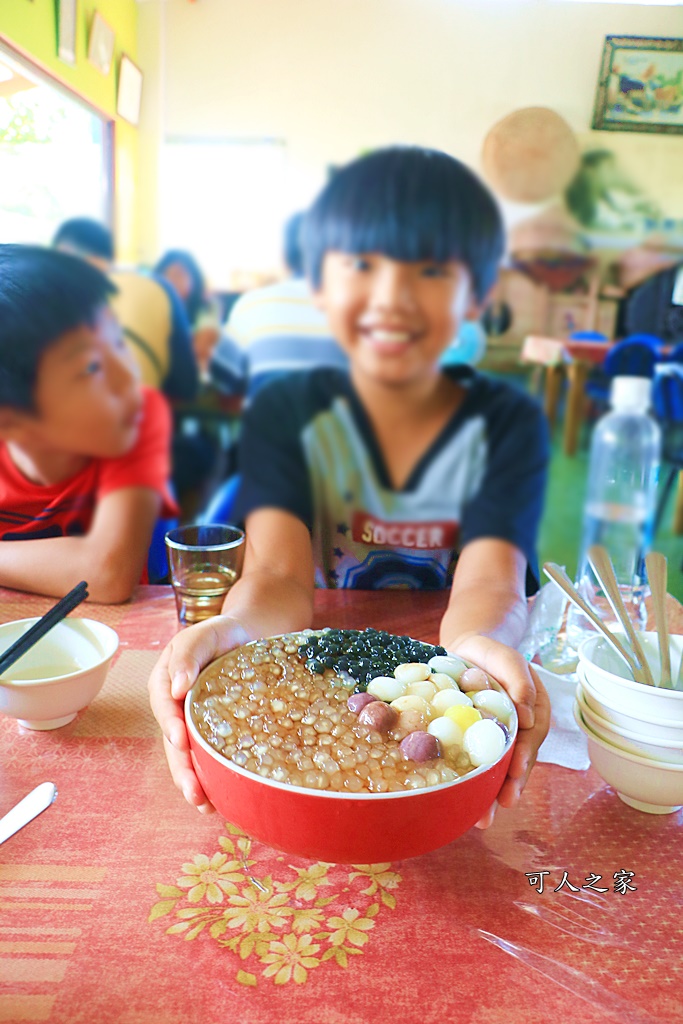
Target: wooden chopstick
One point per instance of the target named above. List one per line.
(44, 624)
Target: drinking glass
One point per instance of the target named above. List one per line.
(204, 562)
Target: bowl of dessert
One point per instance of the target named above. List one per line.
(349, 746)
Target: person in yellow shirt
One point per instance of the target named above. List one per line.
(152, 316)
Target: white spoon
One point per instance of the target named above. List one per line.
(27, 809)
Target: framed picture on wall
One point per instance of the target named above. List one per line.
(66, 31)
(640, 88)
(101, 44)
(130, 90)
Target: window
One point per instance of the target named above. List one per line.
(224, 201)
(55, 156)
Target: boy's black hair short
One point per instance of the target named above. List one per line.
(410, 204)
(292, 250)
(43, 294)
(86, 237)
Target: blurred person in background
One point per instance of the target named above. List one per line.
(152, 316)
(181, 270)
(275, 329)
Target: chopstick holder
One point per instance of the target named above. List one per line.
(38, 630)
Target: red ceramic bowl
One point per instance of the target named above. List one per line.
(345, 828)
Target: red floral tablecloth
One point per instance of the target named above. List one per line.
(122, 904)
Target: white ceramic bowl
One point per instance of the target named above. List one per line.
(641, 783)
(59, 675)
(668, 752)
(608, 675)
(658, 729)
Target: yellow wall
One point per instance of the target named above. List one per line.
(29, 25)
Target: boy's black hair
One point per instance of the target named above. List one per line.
(292, 250)
(87, 237)
(194, 301)
(407, 203)
(43, 294)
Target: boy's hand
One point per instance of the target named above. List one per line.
(514, 673)
(172, 677)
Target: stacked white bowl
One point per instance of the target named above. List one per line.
(634, 731)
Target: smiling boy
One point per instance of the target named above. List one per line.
(84, 450)
(399, 473)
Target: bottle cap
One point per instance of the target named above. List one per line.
(630, 393)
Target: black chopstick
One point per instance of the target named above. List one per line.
(43, 625)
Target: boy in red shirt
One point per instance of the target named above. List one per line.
(84, 449)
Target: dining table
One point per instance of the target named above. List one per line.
(121, 903)
(560, 358)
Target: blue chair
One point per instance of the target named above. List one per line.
(676, 354)
(221, 507)
(632, 357)
(588, 336)
(157, 566)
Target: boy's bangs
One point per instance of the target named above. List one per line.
(411, 205)
(421, 233)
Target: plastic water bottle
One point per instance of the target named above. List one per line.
(620, 504)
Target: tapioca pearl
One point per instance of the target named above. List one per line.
(496, 702)
(353, 784)
(323, 725)
(425, 689)
(316, 780)
(414, 781)
(449, 733)
(411, 702)
(463, 715)
(386, 688)
(412, 672)
(474, 679)
(453, 667)
(484, 742)
(442, 681)
(449, 699)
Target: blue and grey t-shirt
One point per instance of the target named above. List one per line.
(308, 448)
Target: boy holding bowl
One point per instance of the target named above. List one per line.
(400, 472)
